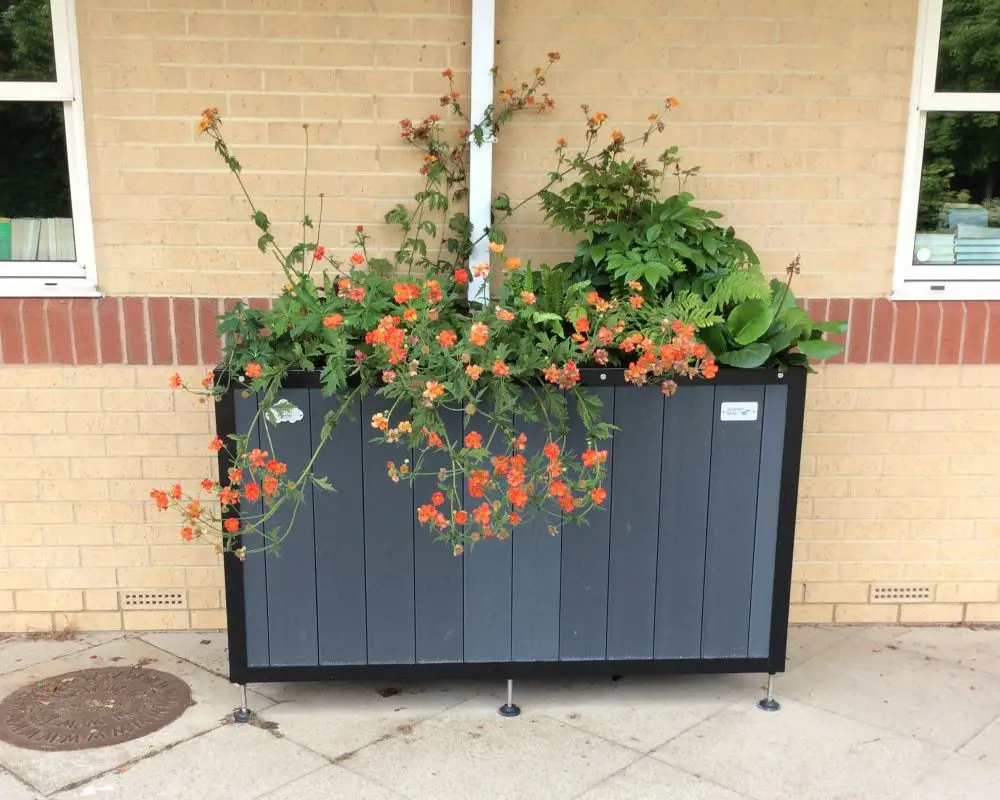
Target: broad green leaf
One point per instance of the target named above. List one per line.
(820, 348)
(714, 339)
(753, 355)
(653, 233)
(798, 318)
(784, 339)
(831, 326)
(749, 321)
(782, 297)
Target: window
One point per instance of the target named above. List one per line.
(949, 235)
(46, 238)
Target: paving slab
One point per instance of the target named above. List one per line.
(461, 753)
(985, 746)
(805, 642)
(214, 699)
(976, 648)
(650, 779)
(332, 782)
(801, 752)
(12, 789)
(908, 693)
(338, 717)
(207, 649)
(20, 652)
(957, 778)
(235, 762)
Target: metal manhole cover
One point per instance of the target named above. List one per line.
(92, 708)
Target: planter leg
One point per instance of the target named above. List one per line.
(242, 714)
(769, 703)
(508, 709)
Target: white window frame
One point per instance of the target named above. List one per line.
(931, 282)
(71, 278)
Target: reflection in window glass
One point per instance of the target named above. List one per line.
(35, 210)
(958, 217)
(969, 55)
(26, 49)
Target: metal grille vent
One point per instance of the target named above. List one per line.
(154, 599)
(901, 593)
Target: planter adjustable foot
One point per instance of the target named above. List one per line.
(242, 714)
(769, 703)
(508, 709)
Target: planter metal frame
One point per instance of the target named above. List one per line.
(771, 660)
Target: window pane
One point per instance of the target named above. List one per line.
(35, 210)
(969, 55)
(26, 49)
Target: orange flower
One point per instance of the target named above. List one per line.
(551, 451)
(514, 517)
(277, 467)
(473, 440)
(357, 294)
(229, 496)
(235, 475)
(334, 320)
(388, 375)
(617, 136)
(447, 338)
(636, 301)
(482, 514)
(175, 492)
(478, 334)
(208, 484)
(581, 325)
(528, 298)
(555, 469)
(232, 524)
(319, 252)
(254, 370)
(518, 497)
(605, 336)
(673, 102)
(453, 96)
(357, 259)
(193, 509)
(448, 73)
(208, 380)
(252, 492)
(433, 440)
(513, 263)
(474, 371)
(561, 142)
(653, 117)
(175, 381)
(481, 270)
(496, 247)
(162, 501)
(216, 444)
(558, 489)
(426, 513)
(500, 368)
(410, 315)
(437, 498)
(404, 292)
(187, 533)
(270, 485)
(433, 291)
(433, 390)
(461, 276)
(591, 458)
(601, 356)
(521, 441)
(598, 495)
(504, 315)
(634, 285)
(257, 457)
(477, 482)
(461, 517)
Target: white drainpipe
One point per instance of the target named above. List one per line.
(481, 156)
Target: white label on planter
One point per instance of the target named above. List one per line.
(739, 412)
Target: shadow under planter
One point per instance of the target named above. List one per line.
(687, 570)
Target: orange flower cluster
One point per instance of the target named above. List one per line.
(389, 335)
(565, 377)
(682, 355)
(405, 292)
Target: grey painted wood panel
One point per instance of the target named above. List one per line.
(389, 524)
(487, 587)
(291, 567)
(634, 493)
(731, 522)
(583, 602)
(766, 535)
(680, 574)
(537, 562)
(438, 578)
(340, 536)
(255, 564)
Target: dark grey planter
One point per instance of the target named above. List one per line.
(688, 570)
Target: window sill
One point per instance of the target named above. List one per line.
(947, 290)
(41, 289)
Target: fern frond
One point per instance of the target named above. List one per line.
(747, 283)
(691, 308)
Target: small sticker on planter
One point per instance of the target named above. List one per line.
(283, 411)
(739, 412)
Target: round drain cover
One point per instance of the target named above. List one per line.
(92, 708)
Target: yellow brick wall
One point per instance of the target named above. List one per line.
(899, 486)
(796, 112)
